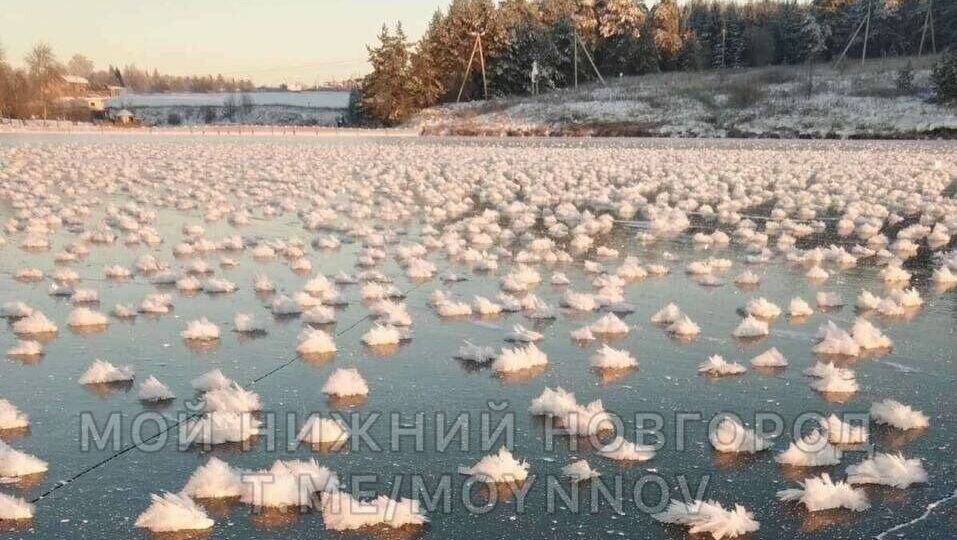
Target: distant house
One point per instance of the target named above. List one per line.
(96, 104)
(124, 116)
(81, 100)
(74, 86)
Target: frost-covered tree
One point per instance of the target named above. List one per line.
(624, 37)
(582, 13)
(451, 38)
(666, 19)
(944, 77)
(533, 43)
(80, 65)
(729, 45)
(45, 73)
(788, 25)
(813, 44)
(6, 106)
(432, 64)
(813, 38)
(620, 17)
(387, 93)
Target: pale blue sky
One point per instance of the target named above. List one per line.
(270, 41)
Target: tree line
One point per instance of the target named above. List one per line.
(625, 37)
(33, 89)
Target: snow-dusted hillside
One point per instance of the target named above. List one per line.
(853, 102)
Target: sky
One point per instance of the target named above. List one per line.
(268, 41)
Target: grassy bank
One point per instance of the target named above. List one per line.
(848, 101)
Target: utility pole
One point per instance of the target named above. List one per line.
(575, 45)
(724, 45)
(478, 37)
(476, 48)
(578, 43)
(866, 21)
(867, 31)
(928, 23)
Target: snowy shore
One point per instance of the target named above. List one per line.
(856, 102)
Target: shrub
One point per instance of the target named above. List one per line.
(174, 119)
(905, 78)
(944, 77)
(744, 94)
(209, 115)
(776, 75)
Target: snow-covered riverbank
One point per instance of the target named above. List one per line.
(853, 102)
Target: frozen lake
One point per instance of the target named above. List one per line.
(379, 197)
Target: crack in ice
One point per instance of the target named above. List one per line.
(930, 509)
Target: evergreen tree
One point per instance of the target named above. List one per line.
(788, 27)
(428, 61)
(647, 59)
(760, 47)
(623, 36)
(616, 55)
(691, 57)
(813, 39)
(829, 13)
(355, 115)
(813, 43)
(530, 42)
(388, 94)
(456, 40)
(619, 26)
(735, 41)
(944, 77)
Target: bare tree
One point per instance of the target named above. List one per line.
(80, 65)
(17, 93)
(45, 73)
(6, 75)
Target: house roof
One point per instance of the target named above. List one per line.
(73, 79)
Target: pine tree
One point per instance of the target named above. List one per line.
(718, 49)
(530, 42)
(647, 59)
(813, 42)
(944, 77)
(691, 56)
(465, 18)
(788, 26)
(734, 41)
(430, 82)
(388, 94)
